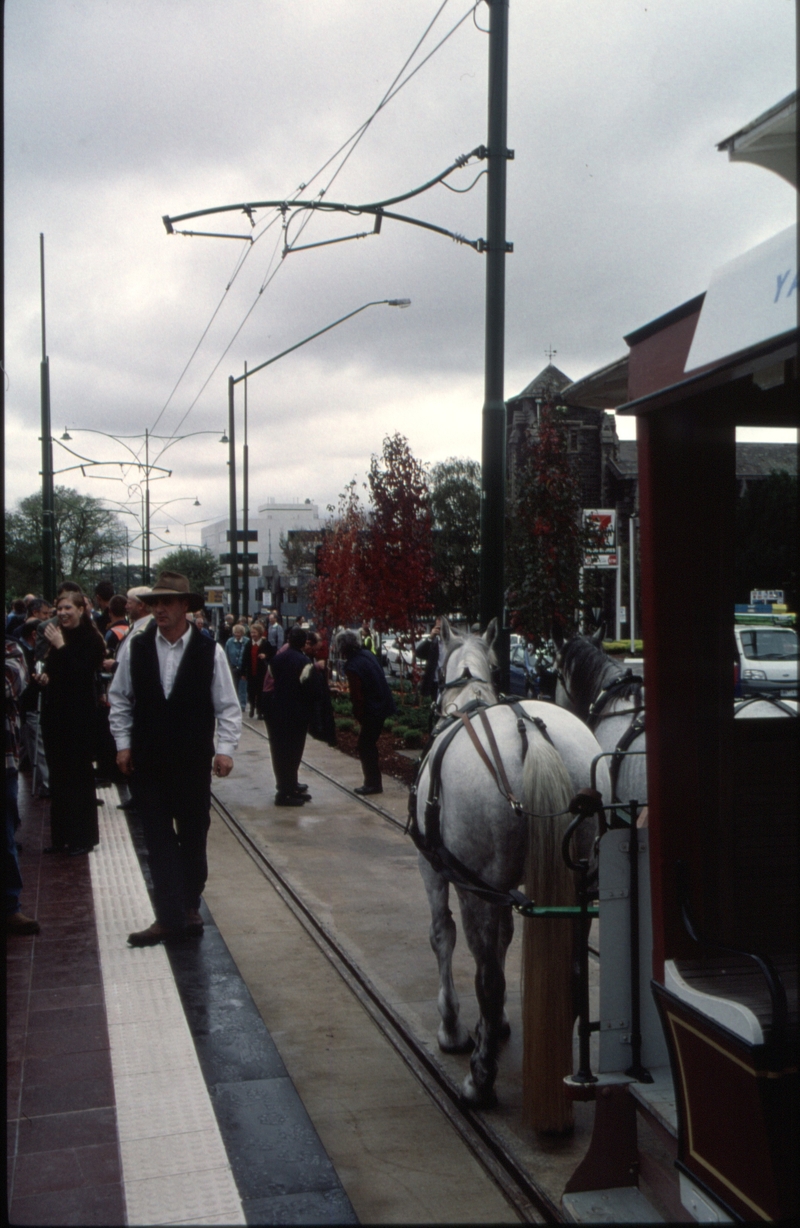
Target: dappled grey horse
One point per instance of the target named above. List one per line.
(609, 697)
(478, 824)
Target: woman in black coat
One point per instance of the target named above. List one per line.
(69, 724)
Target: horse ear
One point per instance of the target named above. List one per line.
(599, 635)
(447, 632)
(490, 634)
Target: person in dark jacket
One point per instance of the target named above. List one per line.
(69, 723)
(286, 708)
(255, 667)
(430, 651)
(372, 702)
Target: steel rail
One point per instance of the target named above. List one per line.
(365, 801)
(530, 1201)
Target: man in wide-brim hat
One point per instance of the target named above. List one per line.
(168, 693)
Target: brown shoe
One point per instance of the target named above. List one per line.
(194, 923)
(151, 937)
(18, 923)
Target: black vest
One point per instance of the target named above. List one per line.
(176, 735)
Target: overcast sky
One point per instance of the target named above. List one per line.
(119, 111)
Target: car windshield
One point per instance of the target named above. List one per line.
(769, 644)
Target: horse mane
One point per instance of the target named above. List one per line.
(588, 670)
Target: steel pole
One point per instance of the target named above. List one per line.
(245, 509)
(147, 507)
(632, 581)
(232, 492)
(493, 476)
(48, 493)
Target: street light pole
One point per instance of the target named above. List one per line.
(234, 545)
(232, 382)
(245, 509)
(493, 468)
(48, 494)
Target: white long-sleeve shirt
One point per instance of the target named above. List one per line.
(227, 709)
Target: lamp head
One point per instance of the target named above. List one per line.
(398, 302)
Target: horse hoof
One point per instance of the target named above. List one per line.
(473, 1097)
(457, 1046)
(486, 1101)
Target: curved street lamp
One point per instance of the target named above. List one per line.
(150, 470)
(231, 440)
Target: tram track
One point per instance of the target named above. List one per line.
(530, 1201)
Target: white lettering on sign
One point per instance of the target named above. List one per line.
(749, 300)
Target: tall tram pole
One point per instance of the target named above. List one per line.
(493, 475)
(48, 495)
(245, 509)
(232, 499)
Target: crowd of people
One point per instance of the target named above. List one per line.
(138, 691)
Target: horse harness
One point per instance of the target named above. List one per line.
(633, 731)
(429, 843)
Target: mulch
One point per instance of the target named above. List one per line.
(392, 764)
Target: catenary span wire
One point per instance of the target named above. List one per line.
(393, 90)
(354, 140)
(237, 268)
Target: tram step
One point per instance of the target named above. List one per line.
(625, 1205)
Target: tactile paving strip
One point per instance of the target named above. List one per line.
(174, 1165)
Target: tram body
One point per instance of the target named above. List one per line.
(716, 880)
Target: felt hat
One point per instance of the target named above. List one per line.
(137, 593)
(173, 584)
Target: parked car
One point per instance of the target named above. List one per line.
(398, 660)
(767, 660)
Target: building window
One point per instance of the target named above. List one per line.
(573, 444)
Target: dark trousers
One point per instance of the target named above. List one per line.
(73, 802)
(255, 687)
(367, 747)
(287, 739)
(175, 821)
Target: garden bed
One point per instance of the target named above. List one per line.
(392, 764)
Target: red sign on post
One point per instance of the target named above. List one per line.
(606, 555)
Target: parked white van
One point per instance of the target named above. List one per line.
(767, 659)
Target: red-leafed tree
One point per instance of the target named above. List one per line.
(400, 548)
(546, 537)
(339, 595)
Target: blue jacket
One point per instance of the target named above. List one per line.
(378, 698)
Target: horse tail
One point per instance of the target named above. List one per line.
(547, 947)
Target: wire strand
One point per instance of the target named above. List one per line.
(353, 141)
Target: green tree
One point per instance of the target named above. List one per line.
(199, 566)
(88, 538)
(546, 539)
(455, 496)
(766, 537)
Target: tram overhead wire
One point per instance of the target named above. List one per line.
(353, 142)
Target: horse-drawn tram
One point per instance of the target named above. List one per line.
(698, 1032)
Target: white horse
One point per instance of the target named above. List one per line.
(485, 831)
(609, 697)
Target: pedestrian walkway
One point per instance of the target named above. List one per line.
(143, 1086)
